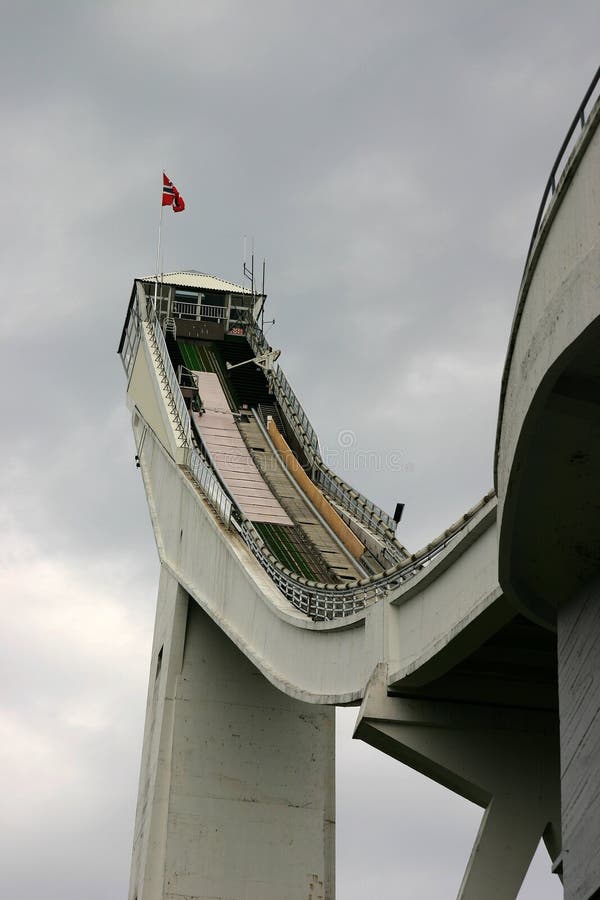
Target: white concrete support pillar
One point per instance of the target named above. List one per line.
(507, 839)
(504, 759)
(237, 795)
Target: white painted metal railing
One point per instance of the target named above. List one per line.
(180, 308)
(327, 601)
(319, 601)
(197, 466)
(168, 378)
(130, 338)
(195, 311)
(208, 483)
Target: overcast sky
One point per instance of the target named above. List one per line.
(389, 158)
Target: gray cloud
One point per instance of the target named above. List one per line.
(389, 161)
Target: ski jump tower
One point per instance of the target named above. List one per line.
(284, 592)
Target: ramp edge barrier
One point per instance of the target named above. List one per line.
(579, 120)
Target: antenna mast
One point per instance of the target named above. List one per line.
(264, 299)
(248, 272)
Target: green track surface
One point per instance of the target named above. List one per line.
(208, 358)
(284, 541)
(278, 539)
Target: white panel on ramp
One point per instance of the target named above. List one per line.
(226, 447)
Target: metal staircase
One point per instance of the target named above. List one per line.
(174, 399)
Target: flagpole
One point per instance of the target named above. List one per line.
(175, 201)
(158, 252)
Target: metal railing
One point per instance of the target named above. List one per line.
(326, 601)
(579, 120)
(168, 378)
(208, 483)
(314, 600)
(364, 510)
(304, 430)
(368, 513)
(182, 308)
(285, 396)
(130, 338)
(198, 467)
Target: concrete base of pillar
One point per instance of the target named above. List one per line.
(237, 795)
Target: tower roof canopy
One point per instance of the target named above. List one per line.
(200, 281)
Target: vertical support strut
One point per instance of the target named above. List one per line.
(504, 759)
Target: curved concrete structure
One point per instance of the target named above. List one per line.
(547, 465)
(548, 441)
(317, 662)
(451, 653)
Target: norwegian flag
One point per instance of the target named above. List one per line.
(171, 196)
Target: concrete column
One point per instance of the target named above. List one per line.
(149, 843)
(237, 795)
(579, 703)
(504, 759)
(507, 839)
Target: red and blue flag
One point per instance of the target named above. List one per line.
(171, 196)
